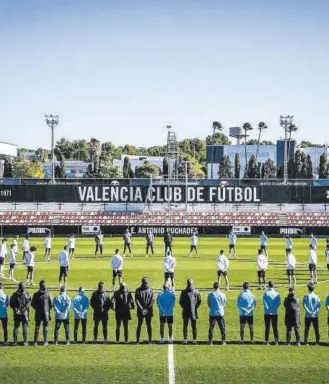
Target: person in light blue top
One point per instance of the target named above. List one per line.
(311, 304)
(216, 303)
(62, 304)
(80, 305)
(246, 303)
(327, 306)
(4, 303)
(272, 302)
(166, 303)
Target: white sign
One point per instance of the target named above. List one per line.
(90, 229)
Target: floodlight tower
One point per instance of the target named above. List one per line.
(286, 123)
(52, 122)
(172, 153)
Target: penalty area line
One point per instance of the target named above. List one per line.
(171, 364)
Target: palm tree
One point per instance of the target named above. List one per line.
(261, 126)
(216, 126)
(246, 128)
(292, 128)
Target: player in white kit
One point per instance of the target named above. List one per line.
(71, 246)
(47, 245)
(312, 263)
(313, 241)
(12, 261)
(232, 243)
(222, 268)
(263, 243)
(169, 268)
(194, 244)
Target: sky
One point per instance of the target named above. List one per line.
(122, 70)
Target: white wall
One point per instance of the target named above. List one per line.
(8, 150)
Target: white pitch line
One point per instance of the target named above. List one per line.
(171, 364)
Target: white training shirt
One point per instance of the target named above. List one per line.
(314, 242)
(289, 243)
(12, 256)
(15, 243)
(169, 264)
(3, 250)
(194, 240)
(71, 242)
(262, 262)
(263, 240)
(117, 262)
(100, 239)
(63, 259)
(222, 263)
(29, 259)
(312, 257)
(25, 245)
(291, 261)
(232, 238)
(47, 242)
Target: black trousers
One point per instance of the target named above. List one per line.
(148, 320)
(289, 331)
(4, 322)
(127, 246)
(125, 329)
(185, 326)
(168, 248)
(58, 324)
(100, 248)
(76, 329)
(37, 329)
(308, 322)
(148, 246)
(18, 321)
(271, 319)
(221, 323)
(104, 325)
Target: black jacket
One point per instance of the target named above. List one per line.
(292, 315)
(42, 302)
(101, 304)
(167, 238)
(20, 302)
(144, 298)
(190, 300)
(123, 302)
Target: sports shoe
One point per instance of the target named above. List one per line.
(317, 344)
(241, 342)
(170, 341)
(306, 343)
(162, 341)
(137, 342)
(55, 342)
(287, 344)
(151, 342)
(184, 342)
(14, 344)
(94, 341)
(266, 343)
(194, 342)
(223, 342)
(211, 343)
(117, 342)
(35, 344)
(25, 344)
(146, 255)
(276, 343)
(68, 342)
(127, 342)
(298, 344)
(252, 342)
(106, 342)
(45, 344)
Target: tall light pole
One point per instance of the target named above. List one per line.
(186, 179)
(285, 122)
(52, 122)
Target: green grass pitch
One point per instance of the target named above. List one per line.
(193, 364)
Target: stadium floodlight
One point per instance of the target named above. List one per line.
(52, 122)
(186, 179)
(286, 123)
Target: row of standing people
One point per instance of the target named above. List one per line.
(122, 303)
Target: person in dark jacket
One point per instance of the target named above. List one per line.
(144, 298)
(190, 300)
(20, 303)
(168, 242)
(292, 316)
(42, 303)
(123, 302)
(101, 304)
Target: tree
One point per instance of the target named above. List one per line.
(246, 128)
(225, 168)
(129, 150)
(28, 169)
(9, 167)
(216, 127)
(292, 128)
(237, 166)
(323, 169)
(147, 170)
(252, 169)
(217, 139)
(267, 142)
(127, 172)
(60, 170)
(42, 155)
(261, 127)
(268, 170)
